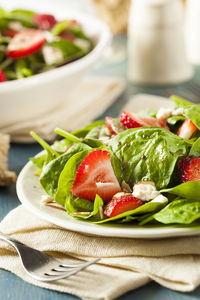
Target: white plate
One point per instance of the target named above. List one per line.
(30, 192)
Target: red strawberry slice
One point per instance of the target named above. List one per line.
(121, 203)
(109, 125)
(44, 21)
(187, 129)
(2, 76)
(25, 43)
(67, 36)
(114, 125)
(132, 120)
(9, 32)
(189, 169)
(95, 175)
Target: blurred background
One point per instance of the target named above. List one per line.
(155, 49)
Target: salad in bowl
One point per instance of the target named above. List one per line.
(32, 43)
(139, 168)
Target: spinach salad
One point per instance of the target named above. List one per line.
(140, 168)
(32, 43)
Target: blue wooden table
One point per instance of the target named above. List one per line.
(12, 287)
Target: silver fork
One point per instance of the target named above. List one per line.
(44, 267)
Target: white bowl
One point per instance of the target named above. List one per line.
(31, 97)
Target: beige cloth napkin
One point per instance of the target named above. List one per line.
(126, 263)
(92, 97)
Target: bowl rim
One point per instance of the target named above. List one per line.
(105, 38)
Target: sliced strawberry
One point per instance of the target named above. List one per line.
(114, 125)
(187, 129)
(44, 21)
(109, 125)
(189, 169)
(9, 32)
(2, 76)
(132, 120)
(120, 203)
(95, 175)
(67, 36)
(25, 43)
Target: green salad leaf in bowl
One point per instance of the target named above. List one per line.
(32, 43)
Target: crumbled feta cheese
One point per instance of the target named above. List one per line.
(164, 113)
(49, 36)
(160, 199)
(145, 190)
(178, 112)
(85, 44)
(52, 55)
(46, 199)
(17, 26)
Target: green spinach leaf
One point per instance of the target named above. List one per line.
(51, 154)
(195, 150)
(180, 101)
(59, 27)
(81, 133)
(77, 206)
(68, 49)
(175, 119)
(51, 172)
(188, 190)
(182, 211)
(193, 113)
(39, 160)
(148, 153)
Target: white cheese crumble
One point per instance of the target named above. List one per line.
(164, 113)
(178, 112)
(17, 26)
(52, 55)
(145, 190)
(49, 36)
(83, 44)
(160, 199)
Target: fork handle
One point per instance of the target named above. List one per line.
(16, 244)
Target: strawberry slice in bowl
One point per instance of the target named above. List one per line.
(9, 32)
(189, 169)
(2, 76)
(187, 129)
(44, 21)
(133, 120)
(25, 43)
(95, 175)
(120, 203)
